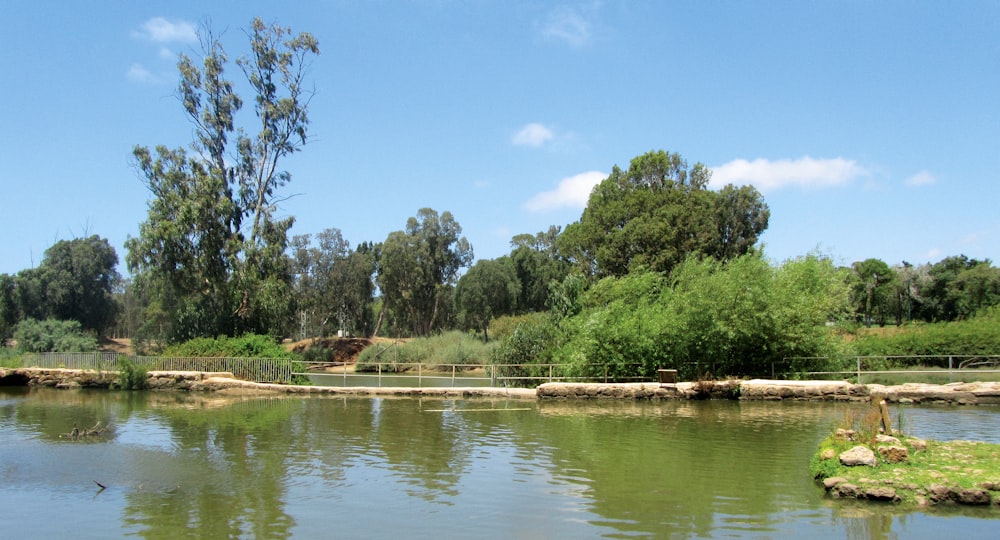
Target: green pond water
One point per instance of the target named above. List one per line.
(201, 466)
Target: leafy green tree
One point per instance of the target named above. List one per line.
(78, 278)
(656, 213)
(9, 313)
(872, 286)
(418, 268)
(537, 263)
(489, 289)
(957, 288)
(73, 282)
(211, 254)
(333, 283)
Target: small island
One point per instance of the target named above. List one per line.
(860, 460)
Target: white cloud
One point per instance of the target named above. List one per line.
(137, 73)
(922, 178)
(572, 25)
(571, 192)
(161, 30)
(167, 54)
(768, 175)
(534, 135)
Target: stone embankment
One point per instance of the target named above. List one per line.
(226, 383)
(977, 393)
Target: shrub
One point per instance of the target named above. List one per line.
(977, 336)
(245, 346)
(51, 335)
(449, 348)
(131, 376)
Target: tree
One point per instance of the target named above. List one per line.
(537, 263)
(489, 289)
(211, 253)
(873, 283)
(418, 267)
(333, 283)
(9, 314)
(78, 276)
(656, 213)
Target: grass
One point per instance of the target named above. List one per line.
(10, 359)
(958, 465)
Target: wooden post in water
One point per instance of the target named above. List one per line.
(878, 400)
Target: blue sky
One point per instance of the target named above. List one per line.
(872, 128)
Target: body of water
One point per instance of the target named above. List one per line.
(197, 465)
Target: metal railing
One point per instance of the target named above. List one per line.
(913, 368)
(282, 370)
(493, 375)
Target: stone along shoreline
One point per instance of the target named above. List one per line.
(976, 393)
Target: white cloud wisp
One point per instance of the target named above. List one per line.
(160, 30)
(572, 192)
(768, 175)
(534, 135)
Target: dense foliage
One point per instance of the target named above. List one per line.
(73, 282)
(245, 346)
(706, 317)
(418, 268)
(333, 284)
(658, 212)
(452, 348)
(979, 335)
(51, 335)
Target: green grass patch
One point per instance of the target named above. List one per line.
(934, 471)
(10, 358)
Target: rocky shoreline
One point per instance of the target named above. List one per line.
(976, 393)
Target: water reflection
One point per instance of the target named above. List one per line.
(208, 466)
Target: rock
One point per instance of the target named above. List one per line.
(844, 434)
(859, 455)
(919, 445)
(845, 490)
(974, 496)
(939, 493)
(879, 494)
(887, 439)
(829, 453)
(894, 454)
(829, 483)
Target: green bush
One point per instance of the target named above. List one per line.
(10, 358)
(449, 348)
(131, 376)
(245, 346)
(977, 336)
(51, 335)
(521, 355)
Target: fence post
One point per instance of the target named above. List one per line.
(859, 369)
(951, 374)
